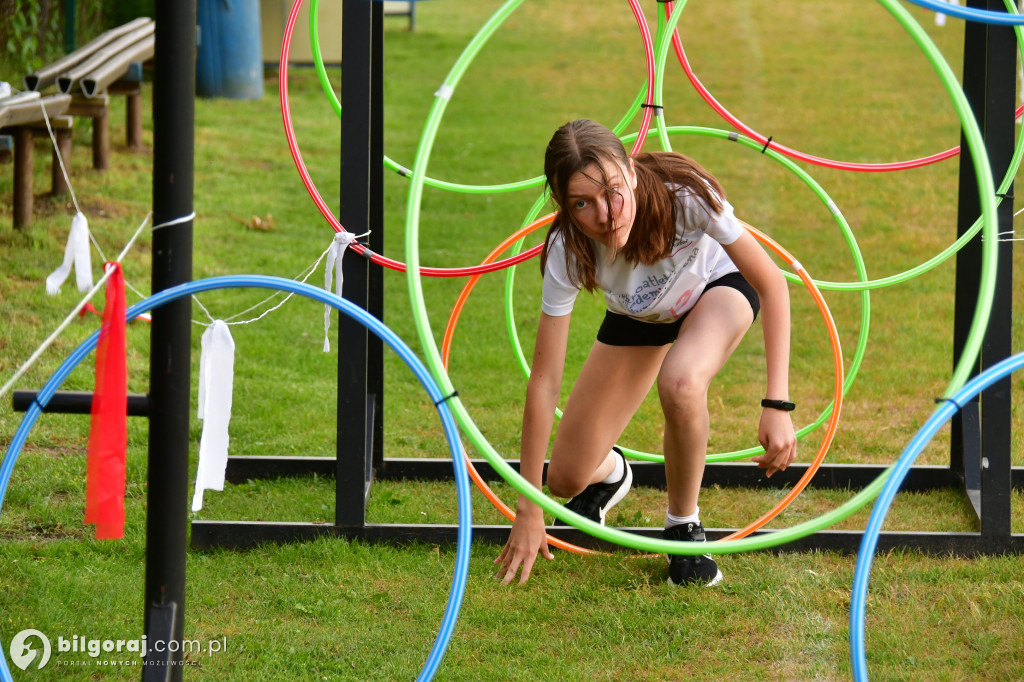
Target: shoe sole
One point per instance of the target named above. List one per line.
(714, 581)
(620, 493)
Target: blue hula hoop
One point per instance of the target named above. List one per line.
(983, 16)
(458, 587)
(869, 542)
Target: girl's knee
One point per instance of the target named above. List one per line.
(566, 481)
(682, 394)
(565, 484)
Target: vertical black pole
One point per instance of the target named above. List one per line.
(980, 435)
(1000, 133)
(355, 404)
(375, 355)
(170, 335)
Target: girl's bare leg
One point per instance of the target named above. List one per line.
(708, 336)
(612, 384)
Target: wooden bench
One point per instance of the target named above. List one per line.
(130, 85)
(96, 108)
(110, 64)
(21, 121)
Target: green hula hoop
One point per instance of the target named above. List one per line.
(654, 545)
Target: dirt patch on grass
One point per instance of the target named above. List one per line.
(42, 532)
(103, 207)
(73, 448)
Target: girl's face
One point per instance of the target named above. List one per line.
(605, 213)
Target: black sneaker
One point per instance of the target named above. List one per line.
(686, 569)
(597, 498)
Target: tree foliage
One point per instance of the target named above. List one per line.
(34, 32)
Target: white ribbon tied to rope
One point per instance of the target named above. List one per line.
(334, 255)
(76, 254)
(216, 381)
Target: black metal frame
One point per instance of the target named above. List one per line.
(242, 534)
(980, 446)
(989, 68)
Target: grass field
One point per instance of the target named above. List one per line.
(844, 82)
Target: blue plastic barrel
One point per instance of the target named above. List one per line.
(229, 60)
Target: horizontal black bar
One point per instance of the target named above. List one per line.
(726, 474)
(647, 474)
(76, 402)
(242, 468)
(247, 534)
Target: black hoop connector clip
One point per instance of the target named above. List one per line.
(446, 398)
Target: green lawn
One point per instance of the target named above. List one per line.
(841, 80)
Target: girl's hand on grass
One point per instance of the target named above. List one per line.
(526, 540)
(778, 438)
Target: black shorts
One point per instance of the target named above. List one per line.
(620, 330)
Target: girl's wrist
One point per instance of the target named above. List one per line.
(526, 508)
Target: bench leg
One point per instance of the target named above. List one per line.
(23, 165)
(58, 183)
(133, 124)
(101, 141)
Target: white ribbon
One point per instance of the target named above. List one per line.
(216, 380)
(334, 255)
(940, 18)
(76, 254)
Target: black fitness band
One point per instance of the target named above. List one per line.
(783, 405)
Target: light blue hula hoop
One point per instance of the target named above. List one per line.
(869, 541)
(458, 588)
(983, 16)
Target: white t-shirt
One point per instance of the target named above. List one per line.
(661, 292)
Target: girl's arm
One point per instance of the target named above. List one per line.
(775, 433)
(528, 536)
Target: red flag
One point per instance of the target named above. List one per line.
(108, 435)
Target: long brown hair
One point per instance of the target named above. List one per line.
(583, 145)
